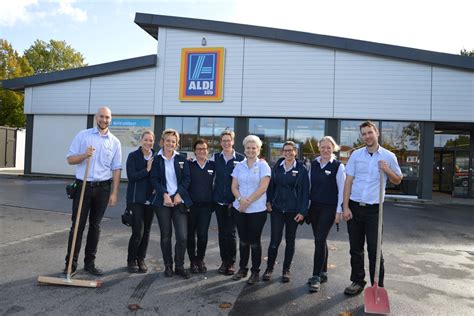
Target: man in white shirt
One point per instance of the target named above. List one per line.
(361, 203)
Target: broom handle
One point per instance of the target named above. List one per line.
(78, 217)
(379, 231)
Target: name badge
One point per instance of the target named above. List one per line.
(327, 172)
(235, 162)
(211, 172)
(181, 164)
(294, 173)
(255, 169)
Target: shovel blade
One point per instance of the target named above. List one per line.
(376, 300)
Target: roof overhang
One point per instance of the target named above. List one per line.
(19, 84)
(151, 23)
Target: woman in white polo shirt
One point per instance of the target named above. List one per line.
(250, 180)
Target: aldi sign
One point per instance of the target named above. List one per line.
(202, 74)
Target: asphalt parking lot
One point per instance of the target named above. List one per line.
(428, 249)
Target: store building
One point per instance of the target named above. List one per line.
(279, 84)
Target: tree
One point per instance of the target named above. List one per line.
(465, 52)
(53, 56)
(11, 103)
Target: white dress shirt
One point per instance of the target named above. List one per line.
(170, 174)
(365, 170)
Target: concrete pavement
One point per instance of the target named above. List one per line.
(428, 249)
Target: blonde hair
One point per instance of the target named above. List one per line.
(172, 132)
(331, 141)
(252, 139)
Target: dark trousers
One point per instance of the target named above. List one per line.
(93, 206)
(226, 226)
(142, 217)
(198, 224)
(168, 216)
(322, 218)
(278, 221)
(250, 226)
(362, 226)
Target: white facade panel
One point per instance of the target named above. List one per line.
(287, 79)
(453, 95)
(28, 100)
(70, 97)
(52, 136)
(380, 88)
(170, 59)
(131, 92)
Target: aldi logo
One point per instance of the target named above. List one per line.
(202, 74)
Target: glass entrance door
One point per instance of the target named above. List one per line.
(447, 172)
(461, 174)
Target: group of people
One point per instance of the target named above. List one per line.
(241, 190)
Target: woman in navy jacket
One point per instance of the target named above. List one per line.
(139, 163)
(170, 179)
(288, 199)
(326, 194)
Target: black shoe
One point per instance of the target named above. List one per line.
(132, 266)
(201, 266)
(230, 269)
(286, 276)
(254, 278)
(314, 283)
(193, 267)
(182, 272)
(93, 269)
(267, 275)
(142, 266)
(223, 268)
(242, 273)
(354, 289)
(324, 277)
(73, 269)
(168, 271)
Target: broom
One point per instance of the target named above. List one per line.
(68, 280)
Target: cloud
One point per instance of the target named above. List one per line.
(15, 11)
(28, 11)
(65, 7)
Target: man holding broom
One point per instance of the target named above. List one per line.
(361, 203)
(104, 151)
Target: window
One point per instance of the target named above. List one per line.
(272, 134)
(190, 128)
(350, 138)
(403, 139)
(211, 128)
(187, 128)
(306, 133)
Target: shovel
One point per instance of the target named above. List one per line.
(68, 280)
(375, 297)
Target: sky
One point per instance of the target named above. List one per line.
(104, 31)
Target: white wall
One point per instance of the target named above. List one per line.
(285, 79)
(130, 92)
(70, 97)
(52, 136)
(381, 88)
(169, 61)
(453, 95)
(20, 149)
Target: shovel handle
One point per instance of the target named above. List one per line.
(379, 230)
(78, 217)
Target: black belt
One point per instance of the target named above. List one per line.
(365, 204)
(95, 183)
